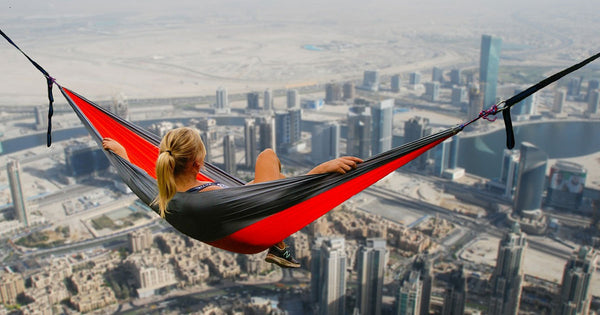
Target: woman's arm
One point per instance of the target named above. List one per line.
(117, 148)
(339, 165)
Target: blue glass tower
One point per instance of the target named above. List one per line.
(488, 68)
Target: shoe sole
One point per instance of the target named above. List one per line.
(280, 261)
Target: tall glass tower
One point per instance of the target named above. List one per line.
(371, 268)
(382, 114)
(532, 176)
(328, 275)
(575, 295)
(488, 68)
(13, 170)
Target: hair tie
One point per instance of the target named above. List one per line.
(169, 151)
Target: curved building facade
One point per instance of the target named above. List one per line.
(531, 180)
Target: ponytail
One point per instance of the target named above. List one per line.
(165, 176)
(177, 148)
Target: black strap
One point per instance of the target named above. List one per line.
(49, 81)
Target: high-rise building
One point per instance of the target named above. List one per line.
(268, 100)
(593, 102)
(13, 171)
(415, 78)
(293, 99)
(509, 173)
(475, 102)
(424, 265)
(455, 77)
(575, 295)
(488, 68)
(349, 90)
(250, 143)
(328, 275)
(437, 75)
(229, 160)
(222, 99)
(253, 99)
(414, 129)
(41, 122)
(593, 85)
(288, 128)
(455, 296)
(459, 95)
(207, 140)
(333, 92)
(209, 126)
(507, 278)
(574, 87)
(11, 285)
(395, 83)
(266, 133)
(531, 178)
(565, 190)
(140, 240)
(408, 297)
(528, 106)
(371, 80)
(359, 132)
(559, 101)
(119, 106)
(371, 261)
(84, 159)
(432, 91)
(382, 115)
(445, 156)
(325, 142)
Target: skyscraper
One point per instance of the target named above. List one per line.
(333, 92)
(371, 268)
(459, 96)
(207, 140)
(229, 160)
(253, 99)
(531, 178)
(293, 99)
(349, 90)
(424, 265)
(488, 68)
(13, 171)
(395, 83)
(455, 296)
(445, 156)
(222, 99)
(266, 133)
(328, 275)
(359, 132)
(437, 75)
(432, 91)
(415, 78)
(559, 101)
(526, 106)
(288, 128)
(325, 142)
(414, 129)
(575, 295)
(408, 297)
(41, 122)
(250, 143)
(382, 115)
(475, 102)
(455, 77)
(507, 277)
(574, 87)
(268, 100)
(593, 102)
(565, 190)
(509, 174)
(593, 84)
(371, 80)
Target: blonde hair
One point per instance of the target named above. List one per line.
(177, 148)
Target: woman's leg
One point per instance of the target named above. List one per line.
(268, 167)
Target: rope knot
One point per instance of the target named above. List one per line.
(492, 111)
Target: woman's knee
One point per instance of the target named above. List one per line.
(267, 154)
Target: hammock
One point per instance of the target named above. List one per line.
(249, 219)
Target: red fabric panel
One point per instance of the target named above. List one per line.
(140, 152)
(263, 234)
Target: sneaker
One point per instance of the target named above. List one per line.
(281, 257)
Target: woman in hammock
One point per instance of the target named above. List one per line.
(182, 156)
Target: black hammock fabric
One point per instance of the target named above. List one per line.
(243, 219)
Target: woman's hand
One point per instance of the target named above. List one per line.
(117, 148)
(339, 165)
